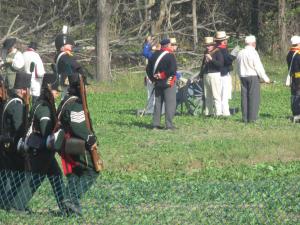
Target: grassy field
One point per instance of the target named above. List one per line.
(209, 171)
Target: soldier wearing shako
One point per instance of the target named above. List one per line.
(76, 142)
(14, 122)
(41, 161)
(64, 60)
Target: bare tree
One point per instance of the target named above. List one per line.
(102, 40)
(195, 30)
(282, 26)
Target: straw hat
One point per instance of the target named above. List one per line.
(173, 41)
(220, 36)
(209, 41)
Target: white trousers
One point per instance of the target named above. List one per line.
(226, 89)
(212, 91)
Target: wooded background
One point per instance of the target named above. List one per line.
(109, 34)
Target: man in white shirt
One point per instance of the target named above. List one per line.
(13, 62)
(250, 70)
(31, 56)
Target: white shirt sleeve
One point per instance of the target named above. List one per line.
(40, 70)
(259, 68)
(18, 61)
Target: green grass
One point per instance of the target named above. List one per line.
(209, 171)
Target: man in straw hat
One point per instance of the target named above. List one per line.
(212, 63)
(226, 82)
(250, 70)
(293, 61)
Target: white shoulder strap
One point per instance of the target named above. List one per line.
(6, 105)
(73, 98)
(57, 60)
(158, 60)
(29, 131)
(295, 53)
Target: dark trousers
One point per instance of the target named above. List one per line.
(167, 95)
(79, 184)
(250, 98)
(44, 165)
(295, 104)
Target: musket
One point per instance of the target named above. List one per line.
(96, 158)
(204, 61)
(3, 91)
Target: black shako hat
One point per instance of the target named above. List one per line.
(9, 42)
(22, 81)
(63, 39)
(52, 79)
(33, 45)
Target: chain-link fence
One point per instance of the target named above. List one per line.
(155, 201)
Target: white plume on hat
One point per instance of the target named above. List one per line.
(295, 40)
(250, 39)
(65, 29)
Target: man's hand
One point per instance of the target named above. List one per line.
(208, 57)
(157, 76)
(9, 60)
(91, 141)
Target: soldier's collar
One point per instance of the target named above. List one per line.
(68, 53)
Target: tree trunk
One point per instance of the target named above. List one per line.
(156, 28)
(256, 20)
(195, 31)
(102, 39)
(282, 26)
(255, 17)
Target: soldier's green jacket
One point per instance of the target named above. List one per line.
(13, 128)
(42, 118)
(14, 118)
(72, 118)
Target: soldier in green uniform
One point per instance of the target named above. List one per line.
(42, 161)
(14, 119)
(76, 160)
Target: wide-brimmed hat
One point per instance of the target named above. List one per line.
(220, 36)
(52, 79)
(173, 41)
(295, 40)
(209, 41)
(22, 81)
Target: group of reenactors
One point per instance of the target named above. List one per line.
(216, 67)
(32, 132)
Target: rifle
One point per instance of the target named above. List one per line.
(3, 92)
(204, 62)
(96, 158)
